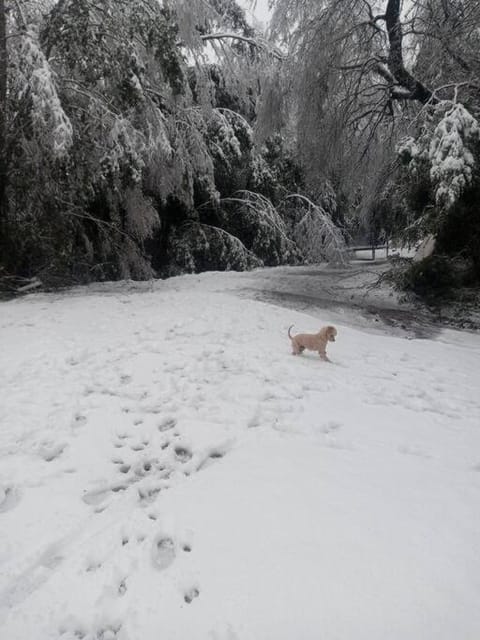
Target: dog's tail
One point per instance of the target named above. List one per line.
(289, 335)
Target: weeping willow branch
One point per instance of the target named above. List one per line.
(254, 42)
(262, 207)
(317, 236)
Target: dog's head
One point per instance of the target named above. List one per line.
(331, 333)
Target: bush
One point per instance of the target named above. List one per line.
(197, 247)
(434, 277)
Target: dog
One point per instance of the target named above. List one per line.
(313, 341)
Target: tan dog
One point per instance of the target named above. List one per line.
(313, 341)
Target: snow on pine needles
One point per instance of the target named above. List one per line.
(169, 470)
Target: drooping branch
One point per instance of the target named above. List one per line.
(415, 89)
(21, 16)
(254, 42)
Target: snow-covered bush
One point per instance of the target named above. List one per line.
(35, 82)
(317, 236)
(259, 225)
(92, 93)
(229, 140)
(274, 170)
(196, 247)
(431, 278)
(446, 146)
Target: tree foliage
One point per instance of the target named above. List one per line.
(383, 99)
(127, 134)
(137, 136)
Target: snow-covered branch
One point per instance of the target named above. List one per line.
(317, 235)
(258, 43)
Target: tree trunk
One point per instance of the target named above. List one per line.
(3, 112)
(395, 57)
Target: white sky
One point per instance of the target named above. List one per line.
(256, 9)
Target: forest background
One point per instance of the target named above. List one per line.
(143, 139)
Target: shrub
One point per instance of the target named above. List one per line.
(434, 277)
(197, 247)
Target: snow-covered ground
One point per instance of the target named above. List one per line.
(169, 471)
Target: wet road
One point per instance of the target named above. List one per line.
(343, 296)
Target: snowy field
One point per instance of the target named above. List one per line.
(168, 471)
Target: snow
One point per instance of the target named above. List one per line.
(169, 470)
(447, 150)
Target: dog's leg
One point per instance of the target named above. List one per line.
(296, 349)
(323, 356)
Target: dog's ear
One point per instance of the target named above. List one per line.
(331, 332)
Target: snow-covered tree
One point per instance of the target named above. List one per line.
(128, 134)
(116, 126)
(447, 146)
(362, 78)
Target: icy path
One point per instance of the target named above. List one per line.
(169, 471)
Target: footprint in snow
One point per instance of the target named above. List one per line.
(167, 424)
(182, 454)
(329, 427)
(79, 420)
(413, 451)
(163, 552)
(95, 498)
(108, 633)
(254, 421)
(119, 487)
(212, 455)
(9, 498)
(52, 452)
(147, 495)
(52, 557)
(76, 634)
(142, 467)
(191, 594)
